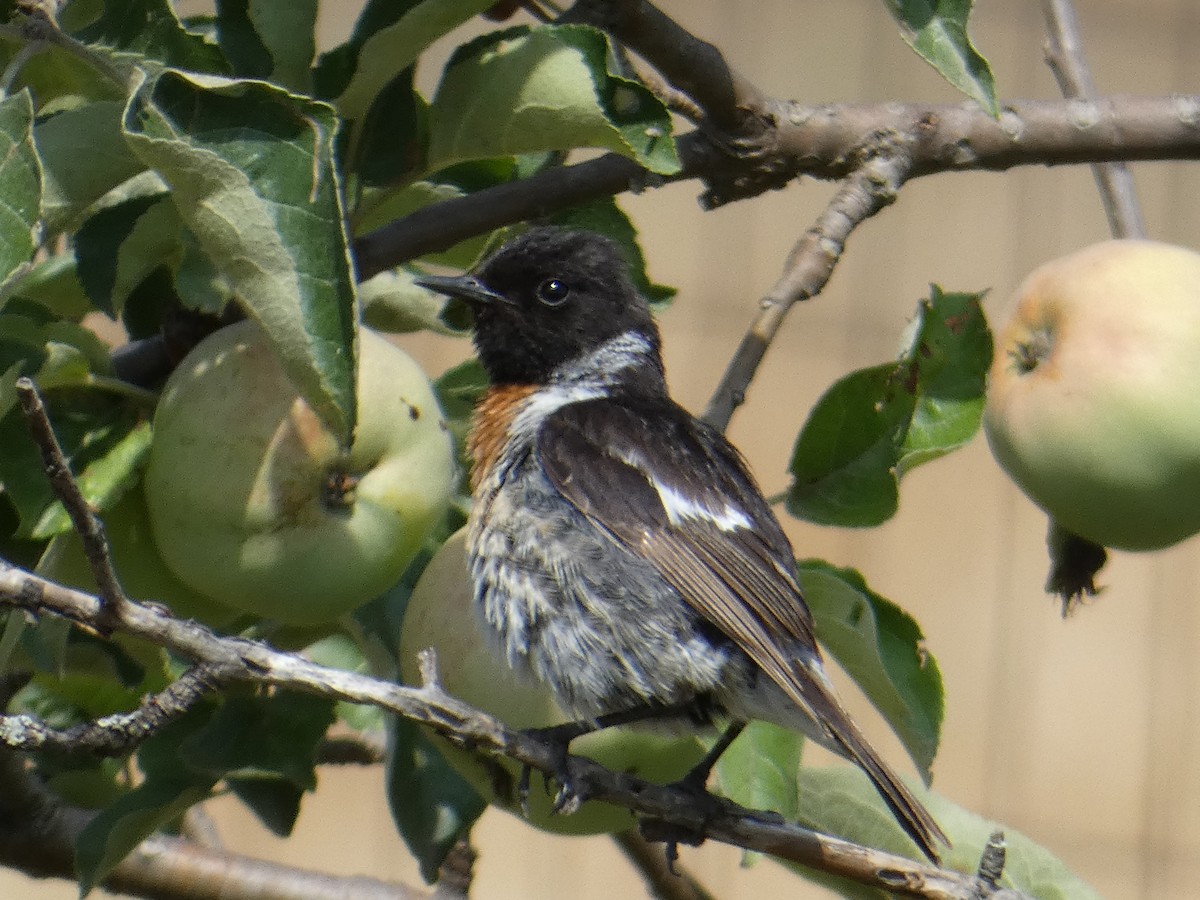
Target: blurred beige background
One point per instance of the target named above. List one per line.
(1084, 734)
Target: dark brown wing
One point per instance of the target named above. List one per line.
(680, 495)
(677, 494)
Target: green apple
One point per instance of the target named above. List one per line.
(1093, 401)
(252, 500)
(441, 615)
(139, 567)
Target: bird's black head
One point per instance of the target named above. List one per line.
(548, 298)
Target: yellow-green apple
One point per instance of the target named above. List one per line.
(1093, 400)
(441, 615)
(139, 567)
(253, 501)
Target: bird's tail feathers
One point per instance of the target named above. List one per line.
(853, 744)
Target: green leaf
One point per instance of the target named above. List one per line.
(91, 132)
(57, 77)
(54, 285)
(150, 28)
(275, 803)
(240, 42)
(114, 832)
(759, 769)
(388, 38)
(65, 699)
(844, 459)
(118, 248)
(90, 784)
(937, 31)
(954, 347)
(269, 40)
(392, 302)
(198, 284)
(42, 648)
(170, 788)
(253, 176)
(882, 648)
(20, 189)
(459, 391)
(547, 88)
(843, 802)
(273, 736)
(161, 757)
(431, 804)
(875, 424)
(54, 353)
(391, 138)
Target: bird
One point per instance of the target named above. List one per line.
(619, 548)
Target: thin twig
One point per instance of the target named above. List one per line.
(1065, 56)
(238, 660)
(58, 471)
(810, 265)
(116, 734)
(652, 864)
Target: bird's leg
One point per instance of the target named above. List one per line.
(696, 782)
(696, 779)
(570, 796)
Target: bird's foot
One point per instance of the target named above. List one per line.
(571, 795)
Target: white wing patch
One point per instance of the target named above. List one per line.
(680, 507)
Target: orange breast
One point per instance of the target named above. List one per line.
(489, 431)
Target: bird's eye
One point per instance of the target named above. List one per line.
(553, 292)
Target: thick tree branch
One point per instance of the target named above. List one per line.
(1064, 55)
(822, 142)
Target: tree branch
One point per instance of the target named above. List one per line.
(38, 835)
(810, 265)
(237, 659)
(650, 861)
(731, 104)
(113, 735)
(822, 142)
(1064, 55)
(58, 472)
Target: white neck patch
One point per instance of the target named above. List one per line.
(587, 377)
(605, 364)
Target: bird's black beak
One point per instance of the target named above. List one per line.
(463, 287)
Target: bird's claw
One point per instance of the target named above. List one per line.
(570, 796)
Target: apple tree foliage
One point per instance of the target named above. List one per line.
(159, 172)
